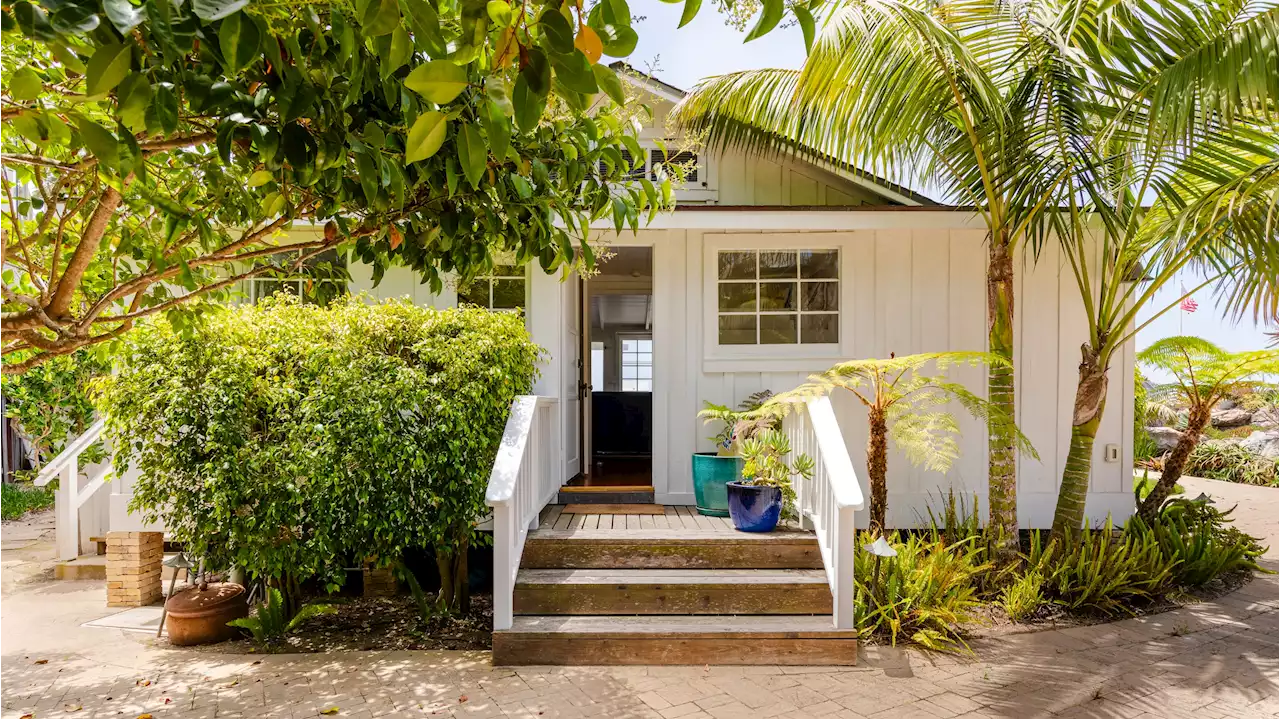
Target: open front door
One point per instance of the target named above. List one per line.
(586, 383)
(573, 376)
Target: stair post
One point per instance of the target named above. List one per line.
(134, 562)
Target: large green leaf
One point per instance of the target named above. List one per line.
(770, 14)
(618, 40)
(122, 14)
(439, 81)
(400, 52)
(556, 30)
(497, 127)
(74, 19)
(691, 8)
(574, 72)
(529, 105)
(473, 153)
(107, 68)
(426, 136)
(25, 85)
(608, 81)
(134, 97)
(100, 141)
(239, 38)
(381, 17)
(216, 9)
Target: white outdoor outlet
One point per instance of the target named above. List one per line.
(1113, 453)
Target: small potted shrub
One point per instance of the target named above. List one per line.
(757, 502)
(713, 470)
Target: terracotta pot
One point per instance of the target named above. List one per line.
(200, 617)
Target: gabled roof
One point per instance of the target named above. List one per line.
(855, 175)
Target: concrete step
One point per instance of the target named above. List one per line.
(675, 640)
(86, 566)
(672, 591)
(669, 549)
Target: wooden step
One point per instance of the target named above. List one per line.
(770, 640)
(672, 591)
(669, 549)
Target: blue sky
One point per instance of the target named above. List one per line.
(707, 47)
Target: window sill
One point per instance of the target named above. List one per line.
(775, 363)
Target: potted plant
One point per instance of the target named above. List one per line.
(713, 470)
(757, 502)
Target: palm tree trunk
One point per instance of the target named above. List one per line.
(877, 460)
(1002, 492)
(1174, 464)
(1091, 400)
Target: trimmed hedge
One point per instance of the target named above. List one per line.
(282, 438)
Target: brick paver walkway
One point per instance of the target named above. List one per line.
(1211, 660)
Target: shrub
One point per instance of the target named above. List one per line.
(50, 404)
(1198, 538)
(1143, 485)
(1096, 570)
(1232, 463)
(1024, 596)
(287, 438)
(925, 592)
(18, 499)
(273, 620)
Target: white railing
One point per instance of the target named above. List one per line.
(71, 495)
(827, 502)
(527, 474)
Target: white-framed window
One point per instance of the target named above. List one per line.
(777, 297)
(504, 289)
(321, 279)
(655, 158)
(636, 359)
(597, 366)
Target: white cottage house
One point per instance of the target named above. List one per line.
(768, 270)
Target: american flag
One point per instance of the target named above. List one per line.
(1189, 305)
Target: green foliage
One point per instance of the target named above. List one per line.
(18, 499)
(1143, 485)
(924, 593)
(741, 423)
(1199, 539)
(1023, 597)
(765, 464)
(1096, 570)
(287, 438)
(1204, 373)
(50, 405)
(157, 146)
(1144, 447)
(1230, 462)
(271, 621)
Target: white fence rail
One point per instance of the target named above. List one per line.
(827, 502)
(72, 496)
(527, 473)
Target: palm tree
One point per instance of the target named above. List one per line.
(938, 92)
(1203, 373)
(905, 405)
(1163, 153)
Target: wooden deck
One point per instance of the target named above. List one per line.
(673, 517)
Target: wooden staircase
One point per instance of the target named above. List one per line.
(673, 589)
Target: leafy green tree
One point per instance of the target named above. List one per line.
(911, 89)
(1163, 164)
(154, 151)
(906, 405)
(50, 405)
(1203, 374)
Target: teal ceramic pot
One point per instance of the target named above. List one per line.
(710, 475)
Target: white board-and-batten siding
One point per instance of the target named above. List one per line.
(911, 281)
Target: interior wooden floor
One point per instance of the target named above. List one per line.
(617, 472)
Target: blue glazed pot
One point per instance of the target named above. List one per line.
(754, 509)
(710, 475)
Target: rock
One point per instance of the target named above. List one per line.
(1226, 404)
(1263, 444)
(1166, 438)
(1265, 417)
(1231, 417)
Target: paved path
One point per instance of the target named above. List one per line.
(1257, 508)
(1211, 660)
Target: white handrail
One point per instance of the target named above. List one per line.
(71, 496)
(527, 473)
(826, 503)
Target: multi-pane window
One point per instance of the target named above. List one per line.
(317, 282)
(637, 364)
(502, 290)
(778, 297)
